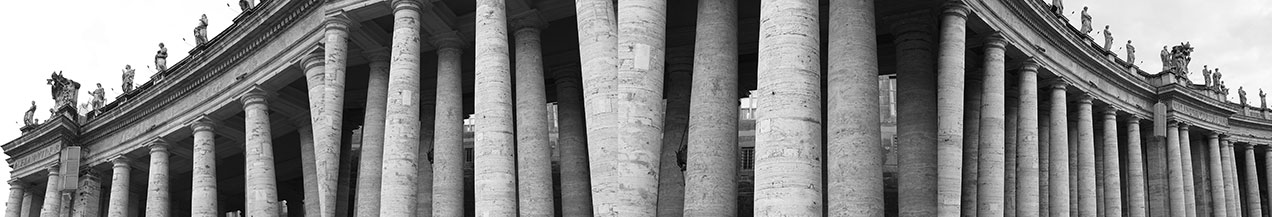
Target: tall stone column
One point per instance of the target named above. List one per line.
(1185, 153)
(119, 181)
(158, 196)
(314, 74)
(1267, 165)
(1218, 192)
(971, 142)
(262, 187)
(52, 196)
(13, 207)
(671, 177)
(1233, 200)
(1174, 162)
(448, 128)
(788, 121)
(494, 164)
(1136, 196)
(328, 115)
(1112, 175)
(855, 159)
(310, 178)
(1011, 121)
(711, 175)
(424, 168)
(576, 189)
(89, 195)
(28, 198)
(990, 188)
(1058, 179)
(402, 114)
(534, 153)
(1027, 180)
(371, 158)
(1252, 183)
(950, 79)
(203, 193)
(65, 206)
(916, 116)
(1087, 205)
(1044, 158)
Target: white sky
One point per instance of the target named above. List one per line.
(91, 41)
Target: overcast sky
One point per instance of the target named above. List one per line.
(91, 41)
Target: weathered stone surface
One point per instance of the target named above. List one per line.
(1233, 200)
(990, 186)
(671, 176)
(371, 157)
(13, 206)
(855, 158)
(788, 135)
(52, 201)
(88, 196)
(1087, 191)
(1136, 192)
(119, 180)
(1044, 155)
(310, 178)
(262, 185)
(1176, 174)
(1058, 178)
(158, 196)
(1027, 174)
(1252, 184)
(916, 116)
(534, 151)
(203, 193)
(1218, 191)
(1185, 153)
(1112, 174)
(448, 143)
(576, 187)
(494, 161)
(971, 142)
(401, 122)
(950, 79)
(711, 167)
(328, 115)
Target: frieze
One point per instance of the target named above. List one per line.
(1189, 111)
(43, 153)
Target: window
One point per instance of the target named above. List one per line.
(748, 158)
(468, 154)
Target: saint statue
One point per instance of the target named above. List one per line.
(201, 31)
(99, 97)
(1166, 62)
(1130, 52)
(129, 72)
(161, 59)
(1086, 21)
(1241, 94)
(1218, 77)
(245, 5)
(1263, 99)
(1108, 38)
(28, 119)
(1057, 6)
(1205, 73)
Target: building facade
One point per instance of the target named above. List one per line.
(636, 108)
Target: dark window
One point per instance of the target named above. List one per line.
(468, 155)
(748, 158)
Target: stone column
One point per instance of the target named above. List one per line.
(13, 207)
(371, 158)
(1136, 200)
(1267, 165)
(1011, 126)
(448, 143)
(27, 199)
(52, 195)
(1252, 183)
(534, 153)
(65, 206)
(310, 178)
(576, 189)
(711, 174)
(671, 177)
(971, 142)
(1027, 140)
(328, 115)
(1112, 174)
(1185, 153)
(1176, 174)
(203, 193)
(1218, 193)
(119, 180)
(916, 116)
(1087, 205)
(158, 200)
(1233, 200)
(1058, 179)
(494, 164)
(314, 75)
(855, 158)
(262, 187)
(402, 114)
(950, 79)
(990, 188)
(88, 196)
(788, 121)
(424, 162)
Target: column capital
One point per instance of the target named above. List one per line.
(202, 123)
(1172, 124)
(1057, 83)
(1030, 64)
(314, 60)
(1213, 135)
(956, 8)
(380, 54)
(158, 145)
(995, 40)
(16, 184)
(120, 161)
(449, 40)
(54, 168)
(1183, 125)
(1084, 98)
(529, 19)
(254, 96)
(337, 21)
(1132, 119)
(415, 5)
(1109, 110)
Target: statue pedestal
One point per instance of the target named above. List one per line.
(28, 128)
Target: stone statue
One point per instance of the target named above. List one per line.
(1086, 21)
(99, 97)
(129, 72)
(1263, 99)
(1218, 78)
(1130, 52)
(1057, 6)
(1177, 58)
(201, 31)
(28, 119)
(1241, 95)
(161, 59)
(1108, 38)
(245, 5)
(1205, 73)
(64, 90)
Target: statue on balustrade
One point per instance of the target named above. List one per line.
(1177, 59)
(201, 31)
(129, 72)
(245, 5)
(1108, 38)
(28, 119)
(1241, 94)
(161, 59)
(1205, 73)
(1263, 99)
(1086, 21)
(99, 97)
(63, 90)
(1057, 6)
(1217, 78)
(1130, 53)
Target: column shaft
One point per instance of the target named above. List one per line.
(991, 187)
(598, 42)
(1011, 119)
(314, 75)
(119, 180)
(950, 79)
(576, 189)
(1185, 153)
(1175, 163)
(13, 207)
(1267, 166)
(855, 167)
(28, 198)
(1136, 201)
(788, 168)
(1233, 200)
(916, 116)
(494, 164)
(424, 156)
(88, 196)
(1112, 172)
(971, 142)
(710, 175)
(310, 178)
(1027, 174)
(402, 122)
(1044, 157)
(262, 187)
(52, 195)
(1058, 179)
(157, 193)
(371, 158)
(1218, 193)
(671, 177)
(448, 128)
(1087, 196)
(1253, 202)
(64, 207)
(534, 153)
(328, 115)
(203, 193)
